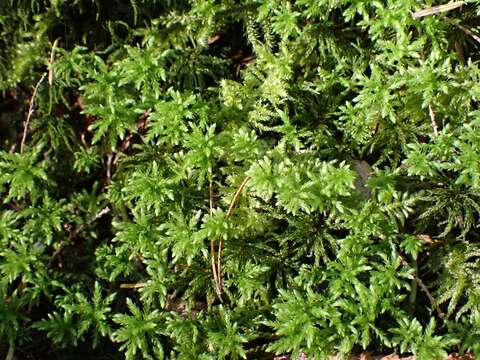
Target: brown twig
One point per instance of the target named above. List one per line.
(26, 123)
(437, 9)
(109, 167)
(52, 59)
(469, 32)
(424, 288)
(432, 118)
(210, 197)
(429, 295)
(11, 351)
(219, 266)
(228, 216)
(218, 289)
(133, 286)
(73, 234)
(212, 247)
(236, 196)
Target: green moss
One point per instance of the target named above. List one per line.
(225, 180)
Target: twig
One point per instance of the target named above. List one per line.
(469, 32)
(424, 288)
(210, 197)
(218, 288)
(460, 51)
(30, 113)
(437, 9)
(109, 167)
(101, 213)
(228, 216)
(74, 234)
(429, 295)
(432, 118)
(133, 286)
(52, 59)
(26, 123)
(219, 267)
(212, 247)
(235, 197)
(11, 351)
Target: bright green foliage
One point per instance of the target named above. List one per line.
(328, 152)
(423, 344)
(138, 331)
(22, 175)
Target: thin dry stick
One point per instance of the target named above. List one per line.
(210, 197)
(52, 59)
(469, 32)
(432, 117)
(133, 286)
(424, 288)
(57, 252)
(30, 113)
(11, 352)
(236, 196)
(430, 297)
(218, 289)
(35, 89)
(228, 216)
(109, 167)
(212, 247)
(437, 9)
